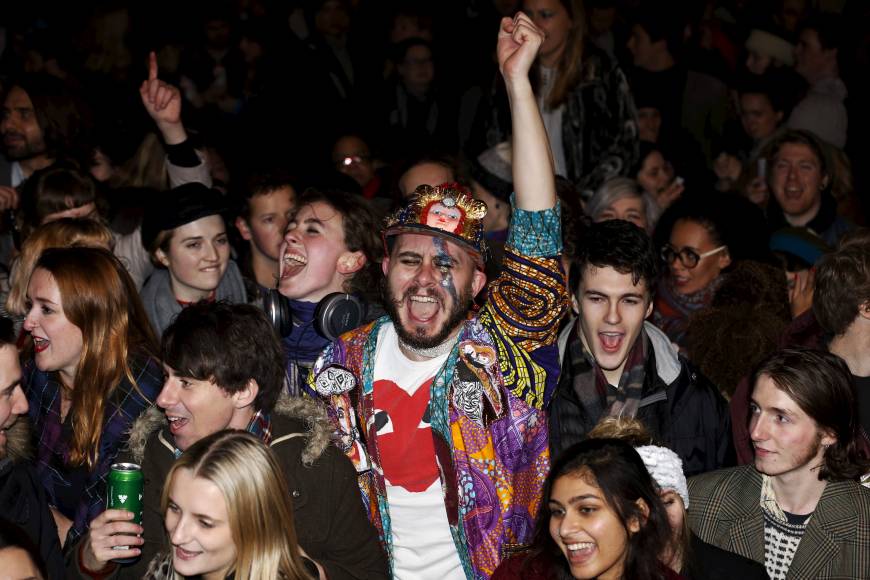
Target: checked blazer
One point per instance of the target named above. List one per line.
(726, 512)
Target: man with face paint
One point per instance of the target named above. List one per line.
(440, 407)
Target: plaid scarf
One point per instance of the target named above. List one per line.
(261, 427)
(594, 392)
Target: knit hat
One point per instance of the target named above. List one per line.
(179, 206)
(447, 211)
(769, 44)
(666, 468)
(492, 170)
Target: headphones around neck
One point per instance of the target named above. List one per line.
(335, 314)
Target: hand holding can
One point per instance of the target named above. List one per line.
(124, 492)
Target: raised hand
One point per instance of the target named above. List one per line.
(518, 43)
(163, 103)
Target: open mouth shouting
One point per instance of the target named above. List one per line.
(611, 342)
(292, 263)
(421, 307)
(40, 344)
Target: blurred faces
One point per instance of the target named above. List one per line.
(642, 48)
(649, 123)
(587, 529)
(332, 19)
(786, 439)
(57, 342)
(196, 408)
(629, 208)
(430, 285)
(612, 310)
(497, 212)
(425, 173)
(197, 258)
(314, 257)
(693, 237)
(269, 215)
(17, 564)
(13, 403)
(757, 63)
(797, 182)
(417, 70)
(352, 157)
(553, 18)
(198, 526)
(812, 60)
(654, 174)
(22, 135)
(757, 115)
(675, 508)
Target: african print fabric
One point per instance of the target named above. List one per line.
(485, 405)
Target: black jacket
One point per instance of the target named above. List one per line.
(23, 501)
(680, 408)
(707, 562)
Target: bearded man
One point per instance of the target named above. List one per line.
(439, 407)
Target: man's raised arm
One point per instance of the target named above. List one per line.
(534, 183)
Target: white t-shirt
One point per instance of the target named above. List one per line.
(423, 548)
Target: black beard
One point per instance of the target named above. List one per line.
(23, 152)
(458, 313)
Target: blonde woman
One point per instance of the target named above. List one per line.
(228, 515)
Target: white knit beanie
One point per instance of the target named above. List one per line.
(771, 45)
(666, 468)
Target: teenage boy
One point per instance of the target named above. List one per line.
(798, 509)
(615, 364)
(267, 206)
(224, 370)
(441, 409)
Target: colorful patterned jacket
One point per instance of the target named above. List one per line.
(489, 430)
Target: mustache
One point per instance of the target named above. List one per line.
(13, 134)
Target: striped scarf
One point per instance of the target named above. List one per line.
(594, 392)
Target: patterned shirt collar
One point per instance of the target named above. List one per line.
(259, 426)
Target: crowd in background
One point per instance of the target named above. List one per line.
(176, 172)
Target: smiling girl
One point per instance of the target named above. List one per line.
(601, 519)
(228, 515)
(91, 375)
(187, 239)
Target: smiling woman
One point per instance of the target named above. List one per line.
(90, 376)
(187, 238)
(228, 514)
(602, 519)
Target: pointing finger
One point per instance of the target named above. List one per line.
(152, 66)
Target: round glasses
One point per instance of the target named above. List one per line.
(688, 258)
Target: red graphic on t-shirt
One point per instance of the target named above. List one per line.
(404, 439)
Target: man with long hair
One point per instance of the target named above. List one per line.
(799, 509)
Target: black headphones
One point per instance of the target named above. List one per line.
(335, 314)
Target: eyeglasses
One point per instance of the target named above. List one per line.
(688, 258)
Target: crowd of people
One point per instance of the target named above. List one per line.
(363, 298)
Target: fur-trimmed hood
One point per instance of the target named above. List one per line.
(18, 447)
(310, 412)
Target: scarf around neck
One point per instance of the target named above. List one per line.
(593, 391)
(304, 344)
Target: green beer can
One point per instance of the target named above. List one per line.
(124, 492)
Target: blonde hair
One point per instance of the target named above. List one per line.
(61, 233)
(147, 167)
(258, 503)
(625, 428)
